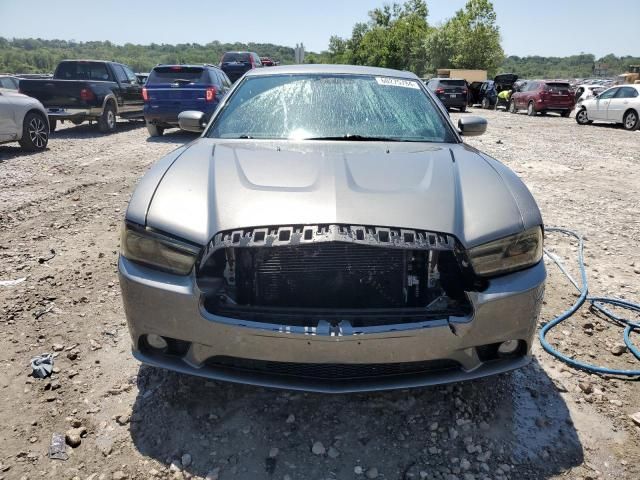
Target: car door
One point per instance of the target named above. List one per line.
(599, 112)
(620, 103)
(134, 91)
(8, 128)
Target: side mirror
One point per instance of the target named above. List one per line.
(192, 121)
(472, 126)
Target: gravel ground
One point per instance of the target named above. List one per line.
(60, 216)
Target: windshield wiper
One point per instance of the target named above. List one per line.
(356, 138)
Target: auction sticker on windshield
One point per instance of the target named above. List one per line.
(397, 82)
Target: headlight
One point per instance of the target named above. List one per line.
(156, 250)
(508, 254)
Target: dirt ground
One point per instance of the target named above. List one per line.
(60, 217)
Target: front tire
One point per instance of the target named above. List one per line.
(631, 121)
(485, 103)
(53, 124)
(582, 117)
(154, 130)
(531, 110)
(107, 121)
(463, 109)
(35, 132)
(512, 107)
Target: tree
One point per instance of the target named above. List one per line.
(471, 39)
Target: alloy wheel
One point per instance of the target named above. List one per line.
(37, 130)
(630, 121)
(111, 119)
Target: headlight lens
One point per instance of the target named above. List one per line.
(157, 251)
(508, 254)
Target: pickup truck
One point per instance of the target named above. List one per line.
(92, 90)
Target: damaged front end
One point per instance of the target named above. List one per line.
(336, 279)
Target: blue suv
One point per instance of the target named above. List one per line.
(171, 89)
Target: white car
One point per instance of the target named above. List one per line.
(585, 92)
(619, 104)
(23, 119)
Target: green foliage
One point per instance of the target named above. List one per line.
(393, 38)
(471, 39)
(31, 55)
(575, 66)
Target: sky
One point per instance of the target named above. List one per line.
(534, 27)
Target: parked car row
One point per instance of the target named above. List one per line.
(101, 91)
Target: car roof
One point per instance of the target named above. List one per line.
(187, 65)
(331, 69)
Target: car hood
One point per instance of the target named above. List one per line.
(215, 185)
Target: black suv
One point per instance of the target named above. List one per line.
(236, 64)
(452, 92)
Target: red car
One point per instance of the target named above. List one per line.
(543, 96)
(267, 62)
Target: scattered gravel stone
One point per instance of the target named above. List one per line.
(333, 452)
(119, 475)
(636, 418)
(619, 349)
(318, 448)
(273, 453)
(358, 470)
(586, 387)
(372, 472)
(186, 460)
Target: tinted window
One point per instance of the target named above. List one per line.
(557, 87)
(225, 79)
(326, 105)
(627, 92)
(256, 60)
(453, 83)
(609, 93)
(236, 57)
(82, 71)
(120, 74)
(177, 73)
(6, 82)
(130, 75)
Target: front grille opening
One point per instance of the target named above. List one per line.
(303, 283)
(330, 371)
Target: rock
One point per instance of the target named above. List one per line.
(75, 423)
(123, 418)
(333, 452)
(586, 387)
(119, 475)
(273, 453)
(619, 349)
(358, 470)
(213, 474)
(636, 418)
(57, 347)
(73, 437)
(175, 466)
(73, 355)
(186, 460)
(465, 464)
(94, 345)
(372, 472)
(318, 448)
(291, 418)
(433, 427)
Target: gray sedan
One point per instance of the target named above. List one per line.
(330, 231)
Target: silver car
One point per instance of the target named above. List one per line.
(330, 231)
(23, 119)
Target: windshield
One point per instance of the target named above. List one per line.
(453, 83)
(331, 106)
(81, 70)
(177, 73)
(235, 57)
